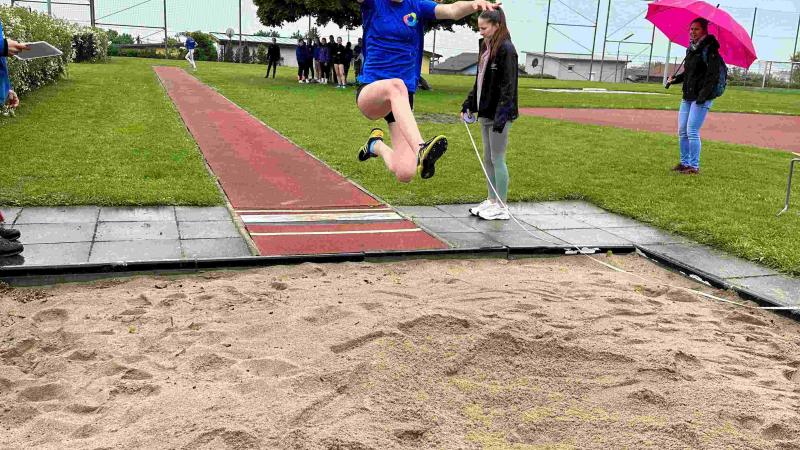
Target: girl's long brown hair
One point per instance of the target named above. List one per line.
(496, 17)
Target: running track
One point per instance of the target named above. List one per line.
(290, 202)
(758, 130)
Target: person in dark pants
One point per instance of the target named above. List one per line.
(494, 99)
(303, 54)
(8, 236)
(324, 60)
(358, 56)
(700, 78)
(315, 54)
(331, 75)
(348, 58)
(273, 56)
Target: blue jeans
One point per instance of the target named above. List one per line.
(690, 120)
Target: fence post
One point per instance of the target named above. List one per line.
(605, 38)
(546, 29)
(166, 36)
(91, 13)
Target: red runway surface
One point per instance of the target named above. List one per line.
(290, 202)
(758, 130)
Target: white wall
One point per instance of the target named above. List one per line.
(559, 68)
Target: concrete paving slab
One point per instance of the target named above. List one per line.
(422, 211)
(777, 288)
(517, 239)
(529, 208)
(469, 240)
(458, 210)
(129, 231)
(494, 226)
(590, 238)
(56, 254)
(554, 222)
(137, 214)
(446, 225)
(643, 235)
(214, 248)
(53, 233)
(607, 220)
(9, 214)
(77, 214)
(201, 214)
(135, 250)
(710, 261)
(574, 207)
(208, 230)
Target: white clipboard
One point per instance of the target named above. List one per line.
(37, 50)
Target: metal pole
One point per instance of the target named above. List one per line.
(616, 66)
(796, 36)
(166, 37)
(12, 3)
(666, 62)
(789, 188)
(309, 27)
(605, 38)
(49, 8)
(546, 29)
(650, 61)
(433, 57)
(91, 13)
(594, 40)
(240, 31)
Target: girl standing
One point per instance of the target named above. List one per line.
(494, 99)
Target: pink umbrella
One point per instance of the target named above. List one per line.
(673, 18)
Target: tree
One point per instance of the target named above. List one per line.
(312, 34)
(795, 70)
(206, 51)
(245, 56)
(227, 56)
(297, 35)
(261, 54)
(270, 33)
(119, 39)
(274, 13)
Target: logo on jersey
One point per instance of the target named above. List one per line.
(411, 19)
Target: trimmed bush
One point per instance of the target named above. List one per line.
(74, 41)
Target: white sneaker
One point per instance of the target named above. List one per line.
(475, 210)
(495, 212)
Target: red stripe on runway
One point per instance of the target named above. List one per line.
(257, 168)
(316, 228)
(348, 243)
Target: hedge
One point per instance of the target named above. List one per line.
(81, 44)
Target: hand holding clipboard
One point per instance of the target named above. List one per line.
(35, 50)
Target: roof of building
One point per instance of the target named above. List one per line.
(251, 39)
(458, 63)
(578, 57)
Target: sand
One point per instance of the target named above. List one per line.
(453, 354)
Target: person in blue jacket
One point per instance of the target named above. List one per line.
(190, 45)
(394, 32)
(8, 236)
(304, 60)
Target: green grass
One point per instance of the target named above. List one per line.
(731, 206)
(106, 135)
(109, 135)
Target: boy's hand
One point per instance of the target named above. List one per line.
(13, 100)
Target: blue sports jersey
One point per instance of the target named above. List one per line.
(393, 39)
(5, 83)
(190, 44)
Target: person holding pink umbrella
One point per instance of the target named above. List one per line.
(707, 59)
(700, 79)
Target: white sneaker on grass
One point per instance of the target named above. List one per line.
(495, 212)
(476, 210)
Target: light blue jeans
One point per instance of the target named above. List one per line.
(690, 120)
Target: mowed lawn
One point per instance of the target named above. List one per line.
(731, 206)
(109, 135)
(106, 135)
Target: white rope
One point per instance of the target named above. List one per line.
(609, 266)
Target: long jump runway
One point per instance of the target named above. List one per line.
(290, 202)
(758, 130)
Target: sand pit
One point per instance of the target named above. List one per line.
(543, 353)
